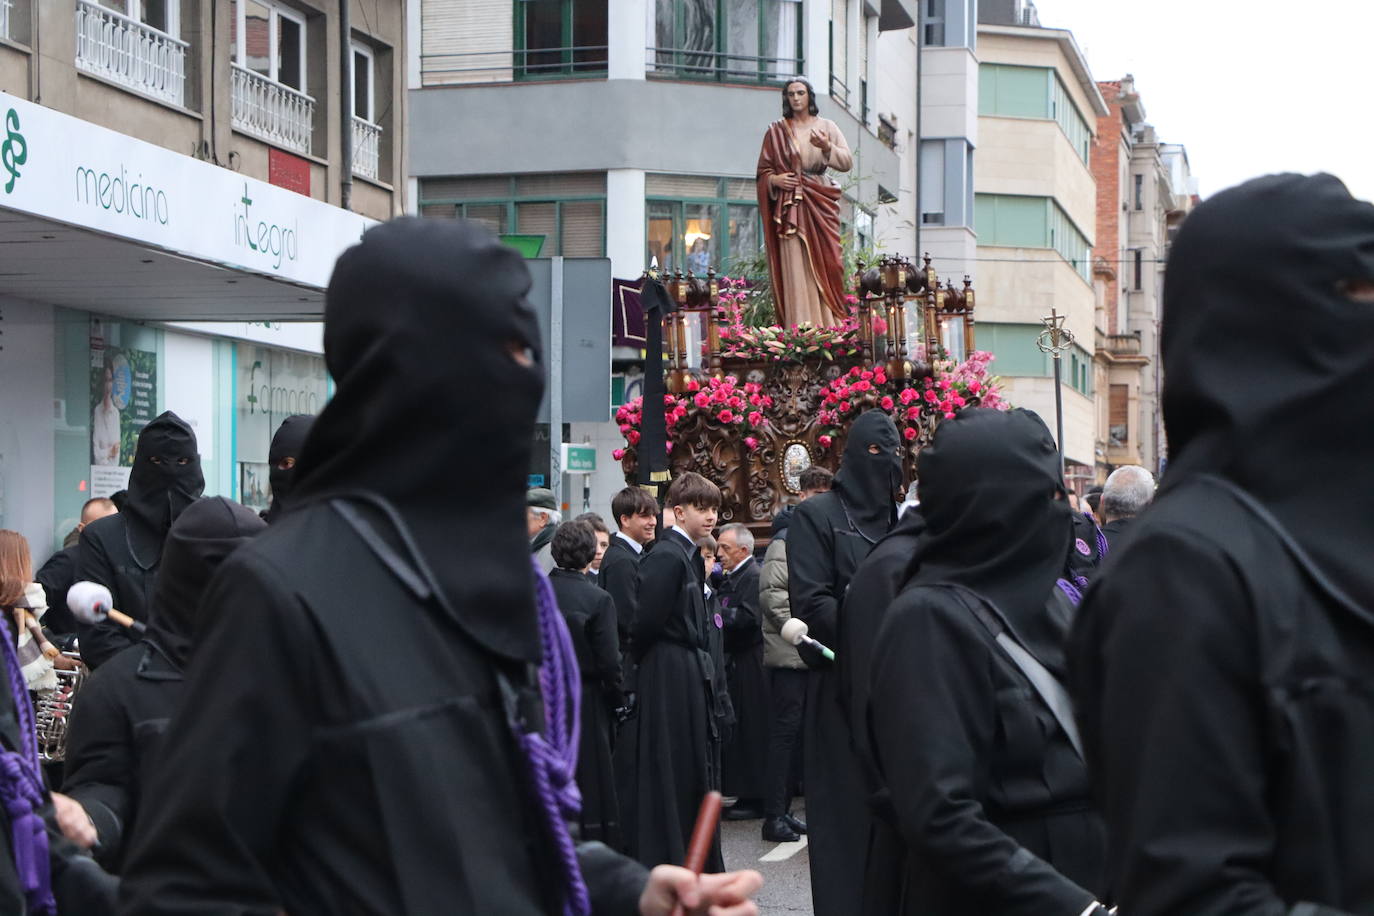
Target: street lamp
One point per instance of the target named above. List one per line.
(1054, 340)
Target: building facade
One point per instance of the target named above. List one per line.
(178, 180)
(635, 137)
(1035, 217)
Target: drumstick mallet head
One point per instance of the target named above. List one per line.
(794, 632)
(91, 602)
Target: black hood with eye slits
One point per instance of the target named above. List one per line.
(867, 483)
(165, 478)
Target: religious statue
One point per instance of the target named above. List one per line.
(800, 205)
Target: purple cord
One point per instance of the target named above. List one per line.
(23, 795)
(552, 756)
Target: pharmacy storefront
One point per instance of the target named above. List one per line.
(138, 280)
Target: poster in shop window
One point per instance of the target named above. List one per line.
(123, 401)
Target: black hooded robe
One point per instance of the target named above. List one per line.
(122, 551)
(829, 536)
(744, 756)
(986, 789)
(354, 746)
(1235, 637)
(591, 623)
(287, 442)
(669, 747)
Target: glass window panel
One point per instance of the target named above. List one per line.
(932, 176)
(698, 33)
(290, 59)
(589, 33)
(781, 34)
(744, 232)
(741, 37)
(156, 13)
(257, 38)
(583, 229)
(700, 237)
(362, 86)
(119, 6)
(660, 233)
(1016, 91)
(543, 35)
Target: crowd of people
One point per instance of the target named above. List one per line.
(384, 695)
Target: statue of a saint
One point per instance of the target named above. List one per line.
(800, 206)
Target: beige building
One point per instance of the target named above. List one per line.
(1035, 216)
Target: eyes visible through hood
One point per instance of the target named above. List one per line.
(1358, 290)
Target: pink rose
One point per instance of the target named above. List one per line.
(946, 405)
(879, 325)
(824, 441)
(932, 397)
(880, 377)
(958, 401)
(855, 371)
(944, 384)
(886, 403)
(669, 445)
(975, 386)
(755, 418)
(907, 396)
(624, 427)
(913, 412)
(751, 442)
(693, 385)
(679, 411)
(725, 416)
(618, 454)
(736, 402)
(866, 375)
(949, 415)
(767, 401)
(910, 433)
(862, 386)
(702, 399)
(633, 436)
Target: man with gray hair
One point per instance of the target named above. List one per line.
(744, 756)
(541, 520)
(1127, 492)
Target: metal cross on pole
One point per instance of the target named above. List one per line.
(1054, 340)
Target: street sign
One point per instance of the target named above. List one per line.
(578, 459)
(535, 480)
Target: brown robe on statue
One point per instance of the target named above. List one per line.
(802, 228)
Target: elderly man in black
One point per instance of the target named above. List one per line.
(1223, 665)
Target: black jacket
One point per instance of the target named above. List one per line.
(739, 602)
(619, 570)
(56, 576)
(104, 556)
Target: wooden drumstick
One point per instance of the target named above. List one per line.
(36, 631)
(703, 837)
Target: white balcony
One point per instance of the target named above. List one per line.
(367, 148)
(125, 51)
(270, 110)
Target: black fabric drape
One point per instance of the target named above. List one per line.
(653, 430)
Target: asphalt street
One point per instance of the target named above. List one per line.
(785, 866)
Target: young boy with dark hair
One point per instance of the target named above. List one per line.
(669, 744)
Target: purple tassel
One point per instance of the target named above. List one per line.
(23, 795)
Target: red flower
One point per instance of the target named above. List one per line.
(862, 386)
(910, 433)
(866, 374)
(618, 454)
(824, 441)
(624, 427)
(633, 436)
(751, 442)
(913, 412)
(886, 403)
(755, 418)
(855, 371)
(944, 384)
(907, 396)
(975, 386)
(669, 444)
(702, 399)
(879, 377)
(693, 385)
(767, 401)
(725, 416)
(946, 405)
(932, 397)
(736, 402)
(949, 415)
(958, 401)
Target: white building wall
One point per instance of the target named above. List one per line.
(895, 95)
(625, 222)
(28, 417)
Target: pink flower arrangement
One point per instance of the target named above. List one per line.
(723, 401)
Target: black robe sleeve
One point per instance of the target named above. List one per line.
(230, 757)
(605, 646)
(1165, 677)
(658, 593)
(56, 576)
(744, 603)
(614, 882)
(618, 579)
(810, 574)
(100, 762)
(95, 564)
(932, 729)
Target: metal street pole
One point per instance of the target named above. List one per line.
(1054, 340)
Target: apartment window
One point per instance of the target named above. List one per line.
(568, 210)
(131, 42)
(1013, 221)
(556, 38)
(361, 98)
(1140, 192)
(696, 223)
(269, 39)
(726, 40)
(932, 182)
(1033, 92)
(1118, 416)
(1016, 353)
(933, 30)
(158, 14)
(1137, 259)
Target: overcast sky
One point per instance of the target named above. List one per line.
(1248, 86)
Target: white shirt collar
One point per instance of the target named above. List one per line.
(690, 539)
(634, 545)
(740, 564)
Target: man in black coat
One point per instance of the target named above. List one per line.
(744, 756)
(59, 572)
(1222, 665)
(367, 733)
(122, 710)
(122, 551)
(830, 535)
(970, 729)
(1128, 491)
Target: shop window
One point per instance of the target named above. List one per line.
(556, 38)
(705, 223)
(726, 40)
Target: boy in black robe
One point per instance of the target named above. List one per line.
(122, 551)
(668, 745)
(988, 789)
(1224, 665)
(828, 538)
(362, 731)
(122, 710)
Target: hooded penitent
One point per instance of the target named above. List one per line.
(164, 480)
(868, 483)
(287, 443)
(996, 519)
(200, 540)
(423, 432)
(1267, 300)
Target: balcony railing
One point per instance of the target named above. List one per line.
(367, 148)
(125, 51)
(688, 63)
(581, 62)
(271, 110)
